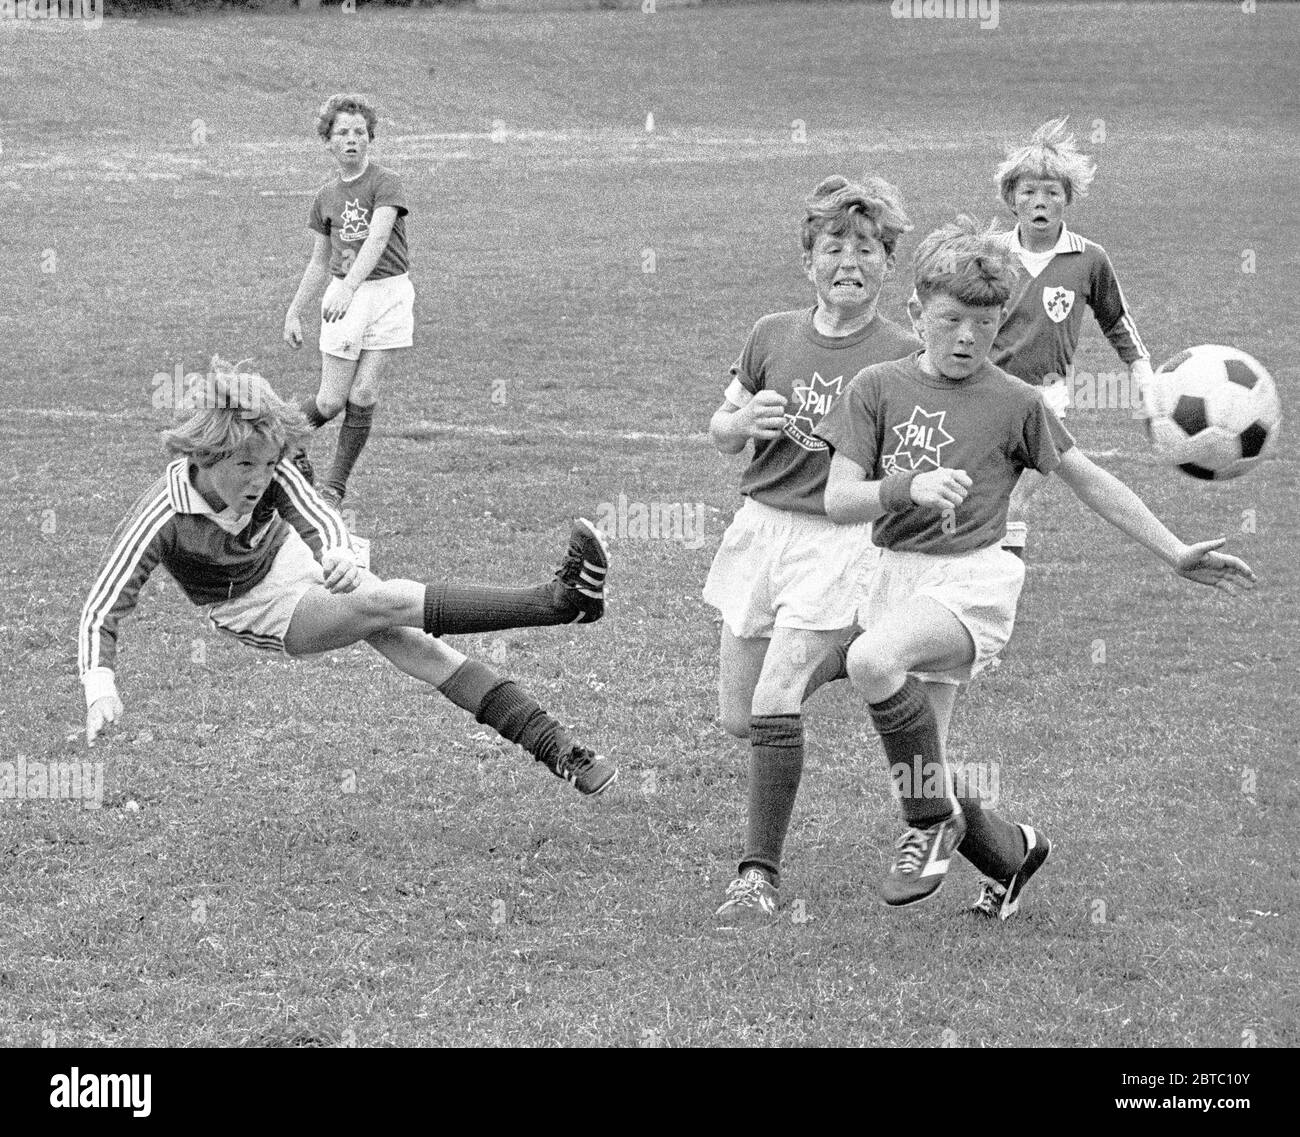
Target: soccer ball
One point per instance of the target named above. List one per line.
(1212, 411)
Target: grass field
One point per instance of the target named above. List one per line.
(322, 854)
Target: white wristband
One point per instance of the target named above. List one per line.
(99, 684)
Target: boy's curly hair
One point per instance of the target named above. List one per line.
(336, 105)
(838, 206)
(964, 261)
(228, 408)
(1051, 155)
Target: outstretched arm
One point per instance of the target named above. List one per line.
(1112, 500)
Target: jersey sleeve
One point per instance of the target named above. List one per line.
(317, 522)
(1112, 311)
(317, 222)
(850, 426)
(134, 552)
(389, 190)
(747, 372)
(1043, 438)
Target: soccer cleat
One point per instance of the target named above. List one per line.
(583, 572)
(1003, 900)
(919, 869)
(331, 496)
(589, 772)
(751, 899)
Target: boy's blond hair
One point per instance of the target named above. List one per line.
(336, 105)
(838, 206)
(1051, 155)
(229, 408)
(964, 261)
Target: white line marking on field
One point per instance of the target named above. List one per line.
(468, 430)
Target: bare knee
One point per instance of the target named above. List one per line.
(735, 724)
(329, 407)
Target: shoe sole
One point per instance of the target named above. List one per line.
(600, 789)
(914, 900)
(1011, 905)
(908, 902)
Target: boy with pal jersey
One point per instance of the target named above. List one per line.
(929, 449)
(367, 312)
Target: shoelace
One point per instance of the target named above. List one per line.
(990, 897)
(744, 889)
(913, 845)
(574, 764)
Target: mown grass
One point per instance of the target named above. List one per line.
(324, 854)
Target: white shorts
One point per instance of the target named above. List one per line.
(261, 617)
(781, 569)
(981, 589)
(381, 317)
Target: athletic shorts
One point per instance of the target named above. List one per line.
(780, 569)
(380, 317)
(261, 616)
(981, 589)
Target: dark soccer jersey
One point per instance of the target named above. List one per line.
(213, 556)
(786, 353)
(894, 418)
(1045, 314)
(342, 212)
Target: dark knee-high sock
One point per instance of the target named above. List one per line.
(313, 412)
(508, 709)
(993, 845)
(775, 767)
(352, 440)
(910, 734)
(461, 609)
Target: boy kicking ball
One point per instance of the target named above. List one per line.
(930, 449)
(245, 535)
(786, 579)
(359, 222)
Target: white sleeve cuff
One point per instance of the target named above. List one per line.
(738, 394)
(99, 684)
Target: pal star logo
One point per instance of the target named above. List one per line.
(921, 440)
(356, 222)
(815, 400)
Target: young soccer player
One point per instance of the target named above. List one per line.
(245, 535)
(359, 222)
(786, 580)
(929, 448)
(1062, 272)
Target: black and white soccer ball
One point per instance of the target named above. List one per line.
(1212, 411)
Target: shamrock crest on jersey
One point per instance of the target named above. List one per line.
(921, 440)
(356, 222)
(815, 400)
(1057, 302)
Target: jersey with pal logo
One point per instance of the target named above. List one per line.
(786, 353)
(895, 418)
(343, 211)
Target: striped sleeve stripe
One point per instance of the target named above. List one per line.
(116, 573)
(1127, 320)
(305, 501)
